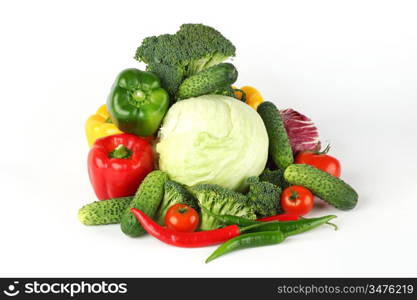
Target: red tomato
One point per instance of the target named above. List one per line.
(297, 200)
(320, 160)
(181, 217)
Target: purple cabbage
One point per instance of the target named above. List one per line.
(301, 131)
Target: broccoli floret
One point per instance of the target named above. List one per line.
(263, 196)
(215, 199)
(205, 47)
(191, 49)
(275, 177)
(171, 76)
(174, 193)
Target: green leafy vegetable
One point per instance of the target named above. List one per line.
(212, 139)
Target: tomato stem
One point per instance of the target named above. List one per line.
(294, 195)
(182, 210)
(325, 151)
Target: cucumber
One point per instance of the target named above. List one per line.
(279, 143)
(104, 212)
(147, 199)
(225, 91)
(329, 188)
(208, 81)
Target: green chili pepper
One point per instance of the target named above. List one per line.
(248, 240)
(137, 103)
(287, 227)
(269, 233)
(295, 227)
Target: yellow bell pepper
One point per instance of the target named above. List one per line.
(253, 96)
(100, 125)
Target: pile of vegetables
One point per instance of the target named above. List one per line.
(180, 153)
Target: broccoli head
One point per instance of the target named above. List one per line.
(173, 57)
(275, 177)
(215, 199)
(174, 193)
(171, 76)
(263, 196)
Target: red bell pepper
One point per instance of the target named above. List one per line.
(117, 164)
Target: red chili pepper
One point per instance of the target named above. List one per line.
(117, 164)
(282, 217)
(186, 239)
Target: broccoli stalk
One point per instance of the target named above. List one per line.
(174, 193)
(217, 200)
(263, 196)
(173, 57)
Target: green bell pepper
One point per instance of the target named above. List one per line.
(137, 103)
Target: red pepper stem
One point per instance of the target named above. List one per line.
(121, 151)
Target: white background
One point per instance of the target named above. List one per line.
(349, 65)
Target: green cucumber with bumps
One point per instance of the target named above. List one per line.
(329, 188)
(147, 199)
(279, 143)
(104, 212)
(225, 91)
(208, 81)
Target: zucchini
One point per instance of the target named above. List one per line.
(329, 188)
(208, 81)
(147, 199)
(104, 212)
(279, 143)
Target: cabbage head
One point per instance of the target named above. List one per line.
(212, 139)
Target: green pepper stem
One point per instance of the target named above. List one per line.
(139, 95)
(333, 225)
(121, 152)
